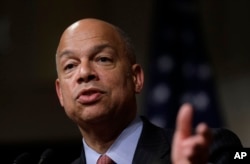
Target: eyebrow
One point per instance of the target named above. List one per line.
(64, 53)
(93, 50)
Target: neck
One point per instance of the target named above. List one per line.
(100, 136)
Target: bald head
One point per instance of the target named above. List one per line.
(97, 75)
(91, 28)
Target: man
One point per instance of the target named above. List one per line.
(98, 78)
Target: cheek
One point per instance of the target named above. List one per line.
(67, 94)
(119, 83)
(114, 80)
(69, 105)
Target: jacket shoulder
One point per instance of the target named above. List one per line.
(224, 142)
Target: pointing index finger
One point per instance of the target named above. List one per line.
(184, 121)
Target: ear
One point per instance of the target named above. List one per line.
(138, 77)
(59, 91)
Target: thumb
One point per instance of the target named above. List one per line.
(184, 121)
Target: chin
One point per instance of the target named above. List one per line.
(95, 118)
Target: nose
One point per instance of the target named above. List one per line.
(86, 74)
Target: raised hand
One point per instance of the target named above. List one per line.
(189, 148)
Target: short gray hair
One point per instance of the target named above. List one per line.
(128, 45)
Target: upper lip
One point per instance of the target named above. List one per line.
(87, 91)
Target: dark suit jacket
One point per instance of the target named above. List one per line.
(154, 146)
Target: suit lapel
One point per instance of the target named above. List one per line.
(81, 160)
(153, 145)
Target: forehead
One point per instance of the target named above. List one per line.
(82, 34)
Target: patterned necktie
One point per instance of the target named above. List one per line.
(104, 159)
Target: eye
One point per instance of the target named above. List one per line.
(105, 60)
(69, 66)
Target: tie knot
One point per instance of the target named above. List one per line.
(104, 159)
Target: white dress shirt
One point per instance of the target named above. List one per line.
(123, 149)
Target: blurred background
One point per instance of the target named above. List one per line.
(191, 50)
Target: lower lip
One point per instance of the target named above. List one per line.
(89, 99)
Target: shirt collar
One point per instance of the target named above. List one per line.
(123, 149)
